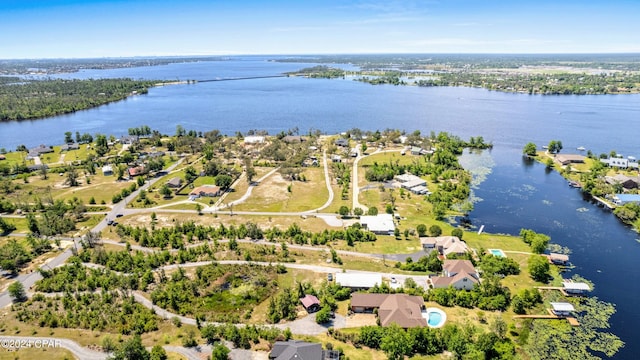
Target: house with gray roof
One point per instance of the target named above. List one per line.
(300, 350)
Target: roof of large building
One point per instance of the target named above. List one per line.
(296, 350)
(459, 266)
(205, 189)
(570, 158)
(358, 280)
(378, 223)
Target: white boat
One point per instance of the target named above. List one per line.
(581, 148)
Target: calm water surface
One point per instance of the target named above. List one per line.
(512, 195)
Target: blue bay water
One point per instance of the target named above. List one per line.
(513, 195)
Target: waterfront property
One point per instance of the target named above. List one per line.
(458, 274)
(403, 310)
(627, 182)
(566, 159)
(621, 163)
(446, 245)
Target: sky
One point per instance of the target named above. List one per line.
(123, 28)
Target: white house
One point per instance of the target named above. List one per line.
(562, 308)
(459, 274)
(381, 224)
(254, 139)
(358, 280)
(107, 170)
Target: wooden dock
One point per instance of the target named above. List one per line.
(604, 202)
(570, 319)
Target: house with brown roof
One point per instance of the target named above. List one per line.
(627, 182)
(206, 190)
(310, 303)
(401, 309)
(175, 182)
(459, 274)
(136, 171)
(566, 159)
(446, 245)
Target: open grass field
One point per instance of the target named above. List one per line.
(273, 193)
(36, 354)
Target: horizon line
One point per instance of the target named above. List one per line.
(321, 54)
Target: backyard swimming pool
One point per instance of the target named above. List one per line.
(435, 317)
(497, 252)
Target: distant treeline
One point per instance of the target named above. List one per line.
(22, 100)
(548, 84)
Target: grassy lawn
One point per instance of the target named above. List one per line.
(349, 350)
(384, 245)
(273, 195)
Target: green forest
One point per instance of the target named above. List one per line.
(34, 99)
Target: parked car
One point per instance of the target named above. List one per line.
(329, 277)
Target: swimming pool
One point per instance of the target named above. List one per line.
(497, 252)
(435, 317)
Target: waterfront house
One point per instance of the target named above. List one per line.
(206, 190)
(310, 303)
(627, 182)
(38, 150)
(446, 245)
(67, 147)
(458, 274)
(566, 159)
(342, 142)
(562, 308)
(400, 309)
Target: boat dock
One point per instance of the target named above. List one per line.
(570, 319)
(603, 202)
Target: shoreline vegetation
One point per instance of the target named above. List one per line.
(595, 178)
(204, 258)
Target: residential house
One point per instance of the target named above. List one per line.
(293, 139)
(38, 150)
(175, 182)
(619, 162)
(206, 190)
(136, 171)
(336, 158)
(562, 308)
(129, 139)
(310, 303)
(358, 281)
(446, 245)
(300, 350)
(342, 142)
(381, 224)
(627, 182)
(107, 170)
(400, 309)
(566, 159)
(459, 274)
(67, 147)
